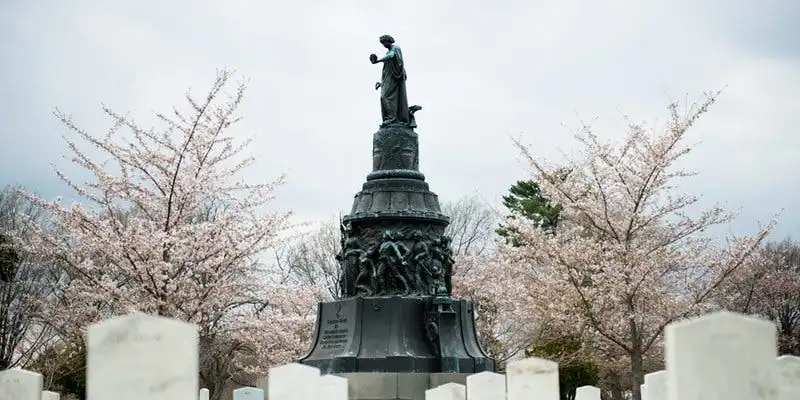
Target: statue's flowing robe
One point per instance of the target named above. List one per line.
(394, 102)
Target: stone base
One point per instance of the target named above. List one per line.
(389, 335)
(396, 386)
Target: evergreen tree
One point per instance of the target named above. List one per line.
(525, 200)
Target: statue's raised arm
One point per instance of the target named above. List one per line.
(394, 101)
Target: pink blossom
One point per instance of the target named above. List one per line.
(168, 227)
(627, 259)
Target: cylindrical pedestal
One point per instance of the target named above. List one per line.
(396, 315)
(397, 334)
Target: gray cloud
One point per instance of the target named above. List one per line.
(481, 70)
(764, 29)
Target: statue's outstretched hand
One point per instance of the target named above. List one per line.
(373, 58)
(377, 85)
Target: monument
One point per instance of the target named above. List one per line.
(396, 317)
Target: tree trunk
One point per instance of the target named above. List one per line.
(637, 372)
(637, 368)
(637, 362)
(613, 387)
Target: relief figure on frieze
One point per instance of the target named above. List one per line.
(368, 281)
(421, 261)
(392, 267)
(411, 261)
(347, 256)
(443, 263)
(365, 281)
(448, 263)
(350, 263)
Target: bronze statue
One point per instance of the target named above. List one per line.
(448, 263)
(420, 257)
(351, 254)
(394, 101)
(442, 263)
(398, 315)
(368, 280)
(392, 265)
(365, 281)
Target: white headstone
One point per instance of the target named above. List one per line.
(248, 393)
(721, 356)
(332, 387)
(204, 394)
(138, 356)
(486, 386)
(293, 382)
(789, 384)
(643, 391)
(587, 393)
(532, 378)
(48, 395)
(18, 384)
(448, 391)
(656, 383)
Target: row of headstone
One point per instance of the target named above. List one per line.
(723, 355)
(786, 382)
(530, 378)
(18, 384)
(717, 356)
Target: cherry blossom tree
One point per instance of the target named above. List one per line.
(501, 293)
(628, 258)
(501, 317)
(168, 226)
(770, 287)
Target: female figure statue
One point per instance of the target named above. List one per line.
(394, 101)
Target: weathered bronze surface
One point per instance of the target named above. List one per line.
(394, 100)
(396, 312)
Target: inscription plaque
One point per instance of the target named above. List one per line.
(334, 339)
(336, 328)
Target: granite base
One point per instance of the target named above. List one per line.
(396, 385)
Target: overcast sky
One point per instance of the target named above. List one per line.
(482, 70)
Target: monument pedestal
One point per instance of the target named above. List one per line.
(397, 331)
(392, 334)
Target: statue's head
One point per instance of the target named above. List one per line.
(386, 41)
(417, 235)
